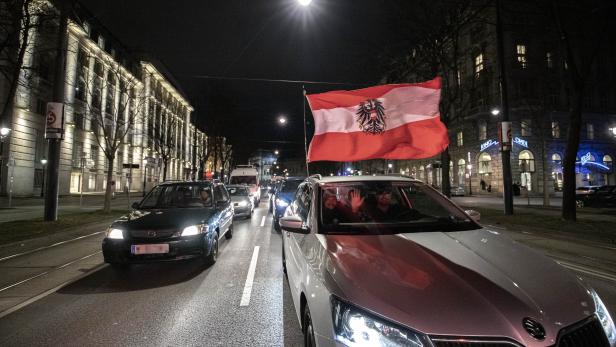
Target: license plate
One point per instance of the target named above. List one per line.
(150, 249)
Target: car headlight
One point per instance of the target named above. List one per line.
(354, 327)
(194, 230)
(242, 203)
(604, 317)
(114, 233)
(282, 203)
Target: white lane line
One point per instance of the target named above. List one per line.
(263, 221)
(250, 278)
(585, 270)
(48, 271)
(50, 246)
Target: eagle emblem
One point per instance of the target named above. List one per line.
(371, 116)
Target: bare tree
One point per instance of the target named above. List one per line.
(164, 137)
(110, 99)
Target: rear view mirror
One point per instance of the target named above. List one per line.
(476, 216)
(294, 224)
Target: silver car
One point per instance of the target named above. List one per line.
(241, 200)
(388, 261)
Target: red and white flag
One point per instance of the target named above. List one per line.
(392, 121)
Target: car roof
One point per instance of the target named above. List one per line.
(184, 183)
(363, 178)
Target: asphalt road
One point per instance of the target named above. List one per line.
(185, 304)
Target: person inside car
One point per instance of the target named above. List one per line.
(205, 197)
(384, 208)
(334, 212)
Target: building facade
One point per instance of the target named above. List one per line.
(114, 104)
(539, 100)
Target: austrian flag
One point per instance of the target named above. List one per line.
(392, 121)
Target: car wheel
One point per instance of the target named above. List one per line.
(309, 340)
(229, 233)
(211, 258)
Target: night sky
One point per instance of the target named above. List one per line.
(330, 41)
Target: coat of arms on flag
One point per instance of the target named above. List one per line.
(392, 121)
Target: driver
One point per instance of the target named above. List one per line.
(205, 197)
(384, 210)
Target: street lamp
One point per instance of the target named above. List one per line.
(282, 120)
(470, 178)
(44, 163)
(495, 112)
(276, 152)
(4, 132)
(304, 2)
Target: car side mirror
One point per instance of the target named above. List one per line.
(476, 216)
(294, 224)
(135, 205)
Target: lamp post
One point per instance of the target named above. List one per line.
(44, 163)
(4, 132)
(389, 166)
(470, 179)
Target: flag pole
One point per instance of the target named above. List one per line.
(305, 135)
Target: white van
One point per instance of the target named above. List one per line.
(248, 175)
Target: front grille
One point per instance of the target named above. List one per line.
(588, 333)
(152, 234)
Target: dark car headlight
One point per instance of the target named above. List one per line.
(355, 327)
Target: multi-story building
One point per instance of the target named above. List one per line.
(114, 103)
(539, 100)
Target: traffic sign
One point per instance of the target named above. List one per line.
(54, 124)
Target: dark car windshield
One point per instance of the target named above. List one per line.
(290, 186)
(243, 180)
(386, 207)
(178, 196)
(237, 191)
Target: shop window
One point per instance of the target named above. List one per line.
(526, 160)
(607, 161)
(485, 164)
(556, 160)
(461, 171)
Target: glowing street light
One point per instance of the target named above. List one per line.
(495, 112)
(304, 2)
(4, 131)
(276, 152)
(282, 120)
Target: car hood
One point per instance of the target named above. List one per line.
(469, 283)
(164, 219)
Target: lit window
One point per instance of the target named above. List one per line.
(485, 163)
(483, 130)
(555, 129)
(590, 131)
(478, 64)
(549, 59)
(526, 160)
(459, 139)
(525, 127)
(607, 161)
(521, 53)
(101, 42)
(557, 159)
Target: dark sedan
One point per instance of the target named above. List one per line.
(175, 221)
(284, 196)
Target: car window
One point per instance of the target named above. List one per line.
(384, 207)
(290, 186)
(243, 180)
(237, 191)
(218, 194)
(178, 196)
(304, 200)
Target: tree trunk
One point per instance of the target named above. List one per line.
(445, 186)
(165, 164)
(110, 188)
(573, 142)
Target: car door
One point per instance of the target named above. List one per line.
(221, 197)
(295, 259)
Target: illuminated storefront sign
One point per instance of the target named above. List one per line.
(487, 144)
(588, 160)
(520, 142)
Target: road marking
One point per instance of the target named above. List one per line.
(250, 278)
(50, 291)
(263, 221)
(50, 246)
(48, 271)
(588, 271)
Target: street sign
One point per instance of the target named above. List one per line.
(54, 125)
(130, 166)
(504, 135)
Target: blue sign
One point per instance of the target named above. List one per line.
(488, 144)
(520, 142)
(587, 161)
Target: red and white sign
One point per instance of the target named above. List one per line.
(392, 121)
(54, 125)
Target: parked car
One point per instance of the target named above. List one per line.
(388, 261)
(457, 191)
(582, 194)
(605, 196)
(243, 204)
(174, 221)
(272, 194)
(284, 196)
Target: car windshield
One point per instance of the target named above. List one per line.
(290, 186)
(386, 207)
(243, 180)
(178, 196)
(237, 191)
